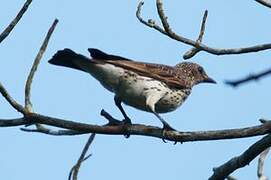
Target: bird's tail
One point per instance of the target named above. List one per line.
(69, 58)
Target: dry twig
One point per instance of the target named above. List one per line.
(14, 22)
(75, 169)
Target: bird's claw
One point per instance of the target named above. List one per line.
(167, 127)
(126, 122)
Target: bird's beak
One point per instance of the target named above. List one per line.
(209, 80)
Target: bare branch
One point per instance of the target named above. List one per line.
(240, 161)
(138, 129)
(193, 51)
(43, 47)
(12, 122)
(166, 30)
(75, 169)
(14, 22)
(266, 3)
(260, 168)
(10, 100)
(251, 77)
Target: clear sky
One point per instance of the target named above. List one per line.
(113, 27)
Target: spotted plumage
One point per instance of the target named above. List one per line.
(149, 87)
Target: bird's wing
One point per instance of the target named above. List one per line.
(167, 74)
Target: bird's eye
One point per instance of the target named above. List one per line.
(200, 69)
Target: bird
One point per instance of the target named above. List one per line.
(155, 88)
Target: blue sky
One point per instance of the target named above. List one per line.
(113, 27)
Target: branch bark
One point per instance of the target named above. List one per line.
(136, 129)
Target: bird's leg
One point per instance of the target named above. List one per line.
(166, 126)
(127, 120)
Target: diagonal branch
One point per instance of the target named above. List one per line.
(10, 100)
(193, 51)
(43, 47)
(251, 77)
(75, 169)
(240, 161)
(14, 22)
(166, 30)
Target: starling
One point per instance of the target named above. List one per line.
(154, 88)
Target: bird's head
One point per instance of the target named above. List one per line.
(193, 73)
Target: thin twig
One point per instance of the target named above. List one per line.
(75, 169)
(193, 51)
(266, 3)
(10, 100)
(28, 104)
(251, 77)
(166, 30)
(28, 84)
(244, 159)
(260, 168)
(14, 22)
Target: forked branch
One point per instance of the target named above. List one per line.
(166, 30)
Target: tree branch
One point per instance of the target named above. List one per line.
(28, 84)
(10, 100)
(240, 161)
(193, 51)
(251, 77)
(137, 129)
(166, 30)
(75, 169)
(14, 22)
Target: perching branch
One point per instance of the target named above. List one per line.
(244, 159)
(251, 77)
(137, 129)
(166, 30)
(75, 169)
(14, 22)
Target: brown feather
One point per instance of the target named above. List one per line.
(167, 74)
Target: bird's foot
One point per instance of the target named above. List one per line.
(126, 122)
(167, 127)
